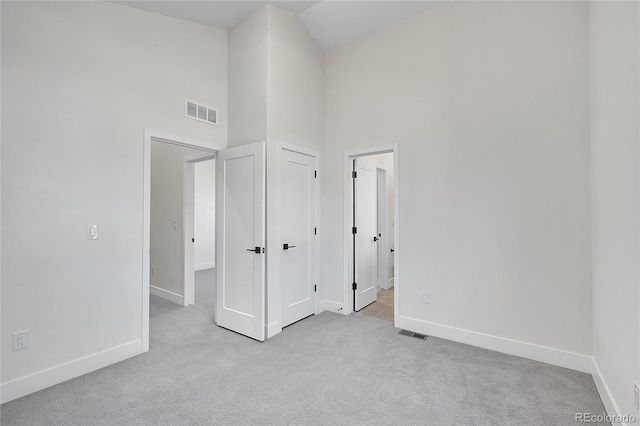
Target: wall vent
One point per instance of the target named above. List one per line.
(200, 112)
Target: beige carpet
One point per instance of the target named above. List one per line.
(381, 308)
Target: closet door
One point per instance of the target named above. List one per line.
(296, 226)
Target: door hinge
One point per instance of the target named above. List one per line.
(315, 288)
(354, 230)
(315, 231)
(354, 174)
(193, 240)
(315, 173)
(355, 286)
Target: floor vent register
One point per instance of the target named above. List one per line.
(412, 334)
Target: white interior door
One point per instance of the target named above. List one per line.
(366, 233)
(296, 227)
(381, 246)
(240, 304)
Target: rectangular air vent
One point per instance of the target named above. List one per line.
(412, 334)
(200, 112)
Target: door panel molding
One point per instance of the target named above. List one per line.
(296, 243)
(240, 239)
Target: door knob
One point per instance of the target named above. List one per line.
(286, 246)
(255, 250)
(375, 238)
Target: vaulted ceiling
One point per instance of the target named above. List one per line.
(333, 23)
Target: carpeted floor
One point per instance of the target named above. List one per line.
(382, 308)
(328, 369)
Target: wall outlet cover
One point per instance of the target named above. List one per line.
(21, 340)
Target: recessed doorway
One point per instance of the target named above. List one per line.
(371, 249)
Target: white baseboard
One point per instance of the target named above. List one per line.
(389, 284)
(605, 394)
(560, 358)
(273, 329)
(16, 388)
(202, 266)
(330, 305)
(166, 294)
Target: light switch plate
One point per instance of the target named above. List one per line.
(92, 232)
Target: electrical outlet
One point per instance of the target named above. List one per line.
(153, 269)
(426, 297)
(21, 340)
(175, 224)
(636, 395)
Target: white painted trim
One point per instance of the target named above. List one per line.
(332, 306)
(188, 212)
(148, 136)
(43, 379)
(299, 149)
(382, 216)
(167, 295)
(146, 237)
(389, 283)
(203, 266)
(605, 393)
(273, 329)
(188, 223)
(199, 158)
(531, 351)
(348, 212)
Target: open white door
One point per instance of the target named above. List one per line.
(240, 257)
(296, 225)
(381, 247)
(366, 235)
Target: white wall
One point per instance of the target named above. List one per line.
(614, 49)
(167, 242)
(204, 215)
(295, 105)
(488, 102)
(295, 115)
(94, 74)
(248, 80)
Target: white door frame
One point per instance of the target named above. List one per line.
(154, 136)
(188, 210)
(382, 206)
(348, 215)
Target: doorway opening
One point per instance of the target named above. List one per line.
(371, 246)
(179, 210)
(199, 195)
